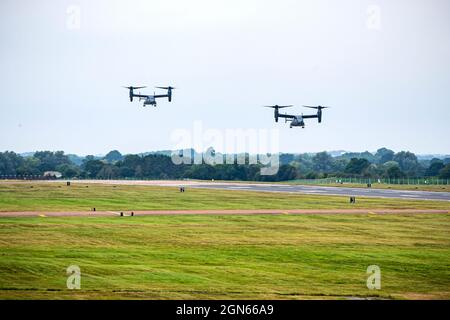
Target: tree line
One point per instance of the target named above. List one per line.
(384, 163)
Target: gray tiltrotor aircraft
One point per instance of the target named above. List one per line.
(150, 99)
(297, 120)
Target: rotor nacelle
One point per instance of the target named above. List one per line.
(319, 111)
(131, 88)
(169, 92)
(276, 112)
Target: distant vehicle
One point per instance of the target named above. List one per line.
(150, 99)
(297, 120)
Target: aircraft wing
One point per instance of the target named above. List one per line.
(161, 95)
(288, 116)
(141, 95)
(311, 116)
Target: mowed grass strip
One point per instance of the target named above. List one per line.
(83, 197)
(226, 257)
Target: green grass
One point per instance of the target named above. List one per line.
(226, 257)
(81, 197)
(208, 257)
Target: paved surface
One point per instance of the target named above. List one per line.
(219, 212)
(361, 192)
(274, 187)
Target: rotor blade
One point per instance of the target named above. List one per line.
(131, 87)
(318, 107)
(285, 106)
(277, 106)
(166, 88)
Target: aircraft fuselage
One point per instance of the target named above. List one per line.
(150, 100)
(297, 122)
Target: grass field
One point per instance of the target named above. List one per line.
(214, 256)
(81, 197)
(226, 257)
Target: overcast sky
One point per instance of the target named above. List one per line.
(383, 66)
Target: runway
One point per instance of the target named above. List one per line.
(320, 190)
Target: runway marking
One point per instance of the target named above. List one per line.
(343, 192)
(43, 216)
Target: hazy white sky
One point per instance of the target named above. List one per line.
(383, 66)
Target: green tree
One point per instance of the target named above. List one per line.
(92, 168)
(445, 172)
(364, 155)
(357, 166)
(322, 162)
(391, 169)
(395, 172)
(285, 173)
(339, 165)
(50, 160)
(113, 156)
(311, 175)
(29, 166)
(108, 171)
(132, 161)
(408, 163)
(384, 155)
(138, 172)
(373, 171)
(286, 158)
(436, 165)
(9, 162)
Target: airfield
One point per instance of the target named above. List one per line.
(220, 240)
(302, 189)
